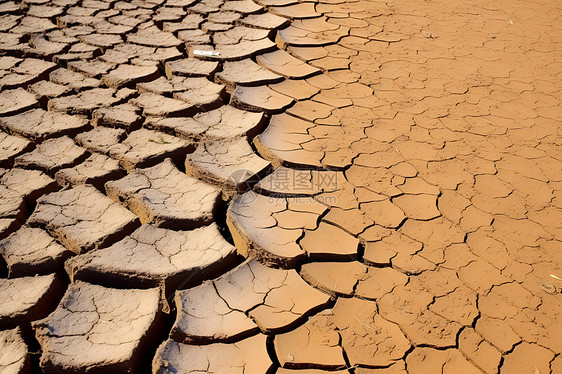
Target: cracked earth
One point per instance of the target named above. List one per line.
(280, 186)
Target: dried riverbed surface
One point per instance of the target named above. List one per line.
(280, 186)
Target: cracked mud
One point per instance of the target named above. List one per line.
(280, 187)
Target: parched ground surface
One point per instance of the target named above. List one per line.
(280, 186)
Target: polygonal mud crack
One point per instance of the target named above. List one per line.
(95, 170)
(19, 188)
(151, 256)
(218, 124)
(31, 251)
(367, 338)
(141, 148)
(246, 356)
(27, 299)
(86, 102)
(352, 278)
(268, 228)
(97, 328)
(13, 352)
(81, 218)
(53, 155)
(11, 147)
(220, 163)
(166, 197)
(39, 124)
(16, 101)
(250, 296)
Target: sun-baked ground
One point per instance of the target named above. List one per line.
(281, 186)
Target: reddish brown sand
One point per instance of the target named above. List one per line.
(281, 186)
